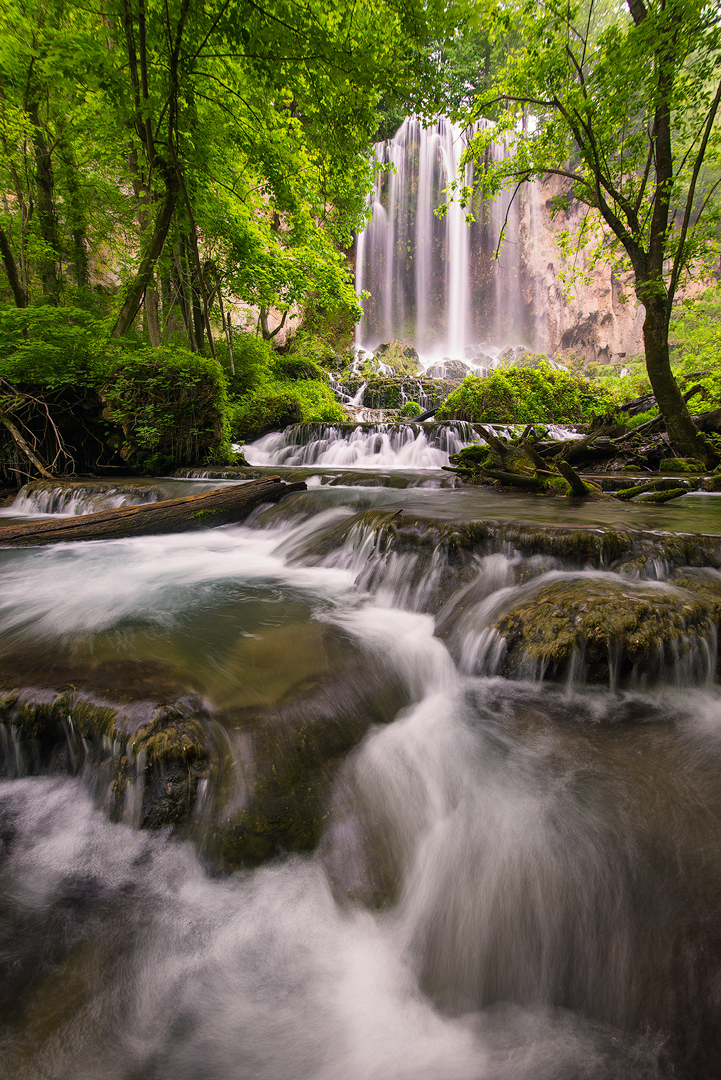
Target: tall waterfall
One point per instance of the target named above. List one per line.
(433, 280)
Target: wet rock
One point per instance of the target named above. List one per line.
(147, 758)
(682, 465)
(600, 629)
(390, 391)
(703, 582)
(290, 759)
(454, 371)
(232, 472)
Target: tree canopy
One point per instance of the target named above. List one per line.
(182, 151)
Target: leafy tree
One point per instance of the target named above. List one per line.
(623, 104)
(195, 151)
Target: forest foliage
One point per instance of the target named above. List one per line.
(181, 184)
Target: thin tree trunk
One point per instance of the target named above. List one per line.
(226, 327)
(19, 294)
(687, 440)
(47, 215)
(76, 216)
(153, 317)
(195, 296)
(32, 456)
(144, 276)
(181, 285)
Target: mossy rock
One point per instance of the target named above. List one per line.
(614, 628)
(703, 582)
(403, 359)
(452, 371)
(295, 751)
(162, 749)
(386, 391)
(682, 465)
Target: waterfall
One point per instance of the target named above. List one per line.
(435, 280)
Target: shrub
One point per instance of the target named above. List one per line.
(280, 403)
(253, 359)
(295, 366)
(525, 396)
(172, 407)
(51, 347)
(409, 410)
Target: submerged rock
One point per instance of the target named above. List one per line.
(604, 629)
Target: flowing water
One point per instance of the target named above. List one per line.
(510, 875)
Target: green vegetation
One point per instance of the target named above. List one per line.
(625, 104)
(410, 410)
(526, 396)
(172, 407)
(180, 185)
(280, 402)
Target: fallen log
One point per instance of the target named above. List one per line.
(514, 479)
(659, 484)
(574, 449)
(219, 507)
(709, 421)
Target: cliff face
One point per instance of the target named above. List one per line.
(601, 319)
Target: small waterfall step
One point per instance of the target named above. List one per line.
(373, 446)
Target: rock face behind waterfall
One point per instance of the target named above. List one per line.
(437, 281)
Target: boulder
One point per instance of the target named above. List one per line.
(453, 371)
(603, 628)
(147, 757)
(403, 359)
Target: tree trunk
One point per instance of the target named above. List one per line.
(685, 437)
(153, 317)
(76, 218)
(182, 289)
(144, 276)
(47, 215)
(220, 507)
(19, 294)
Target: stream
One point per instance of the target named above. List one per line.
(400, 851)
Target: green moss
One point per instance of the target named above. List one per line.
(659, 497)
(402, 358)
(682, 465)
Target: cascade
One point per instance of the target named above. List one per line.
(372, 446)
(434, 280)
(379, 782)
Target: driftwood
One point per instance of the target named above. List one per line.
(219, 507)
(579, 487)
(501, 447)
(32, 455)
(575, 449)
(514, 479)
(709, 421)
